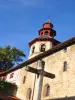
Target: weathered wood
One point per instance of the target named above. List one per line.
(37, 71)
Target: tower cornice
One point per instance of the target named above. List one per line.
(54, 41)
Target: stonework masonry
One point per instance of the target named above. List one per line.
(64, 82)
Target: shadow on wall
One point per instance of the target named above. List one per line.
(66, 98)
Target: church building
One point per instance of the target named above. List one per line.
(52, 75)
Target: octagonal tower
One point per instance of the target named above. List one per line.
(45, 41)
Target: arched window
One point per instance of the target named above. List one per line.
(46, 33)
(46, 91)
(42, 33)
(24, 79)
(43, 47)
(29, 91)
(65, 66)
(33, 49)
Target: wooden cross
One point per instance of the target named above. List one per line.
(40, 71)
(39, 81)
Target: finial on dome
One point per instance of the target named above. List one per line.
(49, 21)
(48, 24)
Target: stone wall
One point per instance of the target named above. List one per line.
(62, 86)
(64, 83)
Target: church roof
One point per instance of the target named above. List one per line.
(52, 50)
(44, 38)
(7, 97)
(42, 55)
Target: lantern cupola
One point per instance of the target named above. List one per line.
(47, 30)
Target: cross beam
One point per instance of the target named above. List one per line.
(39, 71)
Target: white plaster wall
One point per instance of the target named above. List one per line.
(37, 47)
(17, 77)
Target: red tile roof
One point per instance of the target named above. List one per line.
(6, 97)
(44, 38)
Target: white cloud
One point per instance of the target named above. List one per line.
(6, 4)
(29, 3)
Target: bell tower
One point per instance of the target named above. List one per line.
(45, 41)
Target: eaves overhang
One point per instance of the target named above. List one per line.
(54, 41)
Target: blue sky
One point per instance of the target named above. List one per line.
(20, 20)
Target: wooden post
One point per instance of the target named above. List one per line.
(39, 81)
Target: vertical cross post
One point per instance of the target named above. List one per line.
(39, 81)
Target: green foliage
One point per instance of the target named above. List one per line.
(7, 88)
(9, 57)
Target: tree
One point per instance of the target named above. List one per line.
(7, 87)
(9, 57)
